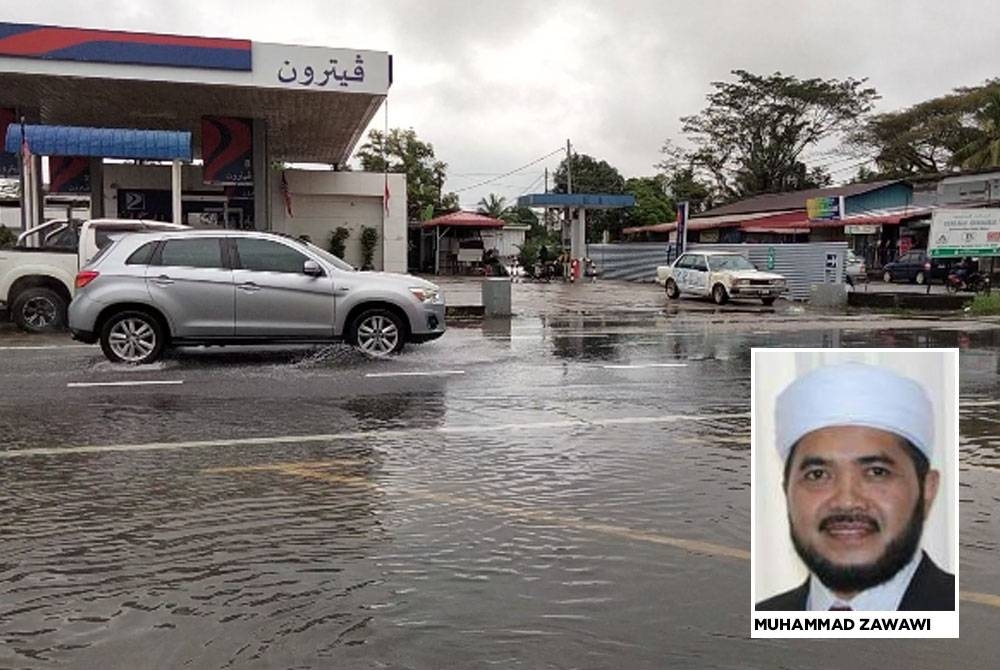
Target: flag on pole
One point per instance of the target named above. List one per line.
(286, 194)
(25, 151)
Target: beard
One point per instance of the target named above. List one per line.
(857, 578)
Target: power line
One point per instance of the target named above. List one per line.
(506, 174)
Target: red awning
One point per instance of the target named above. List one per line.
(464, 220)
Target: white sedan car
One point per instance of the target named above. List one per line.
(721, 275)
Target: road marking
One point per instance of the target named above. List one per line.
(42, 347)
(311, 470)
(477, 429)
(148, 382)
(644, 365)
(432, 373)
(980, 403)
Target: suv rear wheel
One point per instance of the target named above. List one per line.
(378, 333)
(132, 337)
(39, 310)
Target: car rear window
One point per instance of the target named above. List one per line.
(142, 255)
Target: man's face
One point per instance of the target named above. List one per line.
(855, 505)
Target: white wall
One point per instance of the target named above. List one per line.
(323, 201)
(775, 565)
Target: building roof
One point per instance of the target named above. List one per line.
(464, 220)
(771, 202)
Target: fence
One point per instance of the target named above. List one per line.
(801, 264)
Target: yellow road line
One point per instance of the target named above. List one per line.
(314, 470)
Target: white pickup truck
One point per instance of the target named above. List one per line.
(37, 276)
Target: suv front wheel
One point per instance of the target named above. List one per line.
(132, 337)
(378, 333)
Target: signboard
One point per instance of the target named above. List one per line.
(964, 232)
(227, 149)
(861, 230)
(68, 174)
(147, 203)
(825, 209)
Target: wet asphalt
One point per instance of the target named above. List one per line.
(565, 489)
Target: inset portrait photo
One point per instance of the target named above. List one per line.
(854, 487)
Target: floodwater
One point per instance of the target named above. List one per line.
(549, 507)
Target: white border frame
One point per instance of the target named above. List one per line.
(939, 624)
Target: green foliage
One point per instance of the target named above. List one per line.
(986, 304)
(402, 151)
(369, 238)
(593, 176)
(493, 205)
(652, 205)
(7, 237)
(983, 149)
(752, 135)
(958, 130)
(338, 239)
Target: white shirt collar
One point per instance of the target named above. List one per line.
(885, 597)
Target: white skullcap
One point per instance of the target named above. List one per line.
(854, 394)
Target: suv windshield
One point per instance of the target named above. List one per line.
(729, 263)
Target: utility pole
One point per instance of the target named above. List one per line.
(569, 190)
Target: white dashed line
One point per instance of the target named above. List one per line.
(644, 365)
(432, 373)
(152, 382)
(43, 347)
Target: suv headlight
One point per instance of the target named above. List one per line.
(426, 294)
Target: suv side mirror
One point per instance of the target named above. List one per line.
(312, 269)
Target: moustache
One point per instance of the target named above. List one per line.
(855, 520)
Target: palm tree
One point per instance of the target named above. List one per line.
(984, 150)
(493, 205)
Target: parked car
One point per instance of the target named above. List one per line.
(36, 276)
(855, 269)
(149, 291)
(911, 267)
(721, 275)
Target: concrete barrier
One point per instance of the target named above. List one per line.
(496, 296)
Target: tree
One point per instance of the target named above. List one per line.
(918, 140)
(369, 238)
(493, 205)
(652, 204)
(751, 137)
(684, 186)
(402, 151)
(983, 149)
(593, 176)
(338, 240)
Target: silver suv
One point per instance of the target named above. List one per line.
(148, 291)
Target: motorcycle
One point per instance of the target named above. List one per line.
(966, 281)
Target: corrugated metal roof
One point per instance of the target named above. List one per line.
(771, 202)
(464, 220)
(101, 142)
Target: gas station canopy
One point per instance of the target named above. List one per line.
(576, 200)
(314, 101)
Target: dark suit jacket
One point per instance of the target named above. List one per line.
(931, 589)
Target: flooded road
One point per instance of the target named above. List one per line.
(547, 492)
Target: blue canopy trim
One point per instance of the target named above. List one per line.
(585, 200)
(101, 142)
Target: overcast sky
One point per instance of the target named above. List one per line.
(496, 85)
